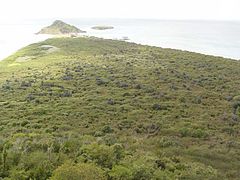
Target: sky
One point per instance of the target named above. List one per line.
(147, 9)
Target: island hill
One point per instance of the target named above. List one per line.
(60, 28)
(102, 27)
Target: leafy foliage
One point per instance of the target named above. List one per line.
(78, 172)
(117, 110)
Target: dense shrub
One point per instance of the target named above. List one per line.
(105, 156)
(196, 133)
(120, 172)
(81, 171)
(132, 111)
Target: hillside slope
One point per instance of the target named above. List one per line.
(121, 110)
(60, 28)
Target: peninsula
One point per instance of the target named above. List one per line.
(90, 108)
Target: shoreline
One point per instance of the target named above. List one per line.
(205, 38)
(79, 35)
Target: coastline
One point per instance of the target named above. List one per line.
(79, 35)
(19, 45)
(95, 77)
(202, 39)
(114, 39)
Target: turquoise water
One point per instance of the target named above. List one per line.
(208, 37)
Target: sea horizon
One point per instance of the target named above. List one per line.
(209, 37)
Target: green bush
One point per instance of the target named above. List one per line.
(195, 133)
(16, 174)
(198, 171)
(165, 142)
(37, 165)
(163, 175)
(81, 171)
(120, 172)
(103, 155)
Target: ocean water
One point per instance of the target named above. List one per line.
(15, 35)
(207, 37)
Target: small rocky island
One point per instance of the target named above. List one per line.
(102, 27)
(60, 28)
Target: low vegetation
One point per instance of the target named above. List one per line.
(60, 28)
(104, 109)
